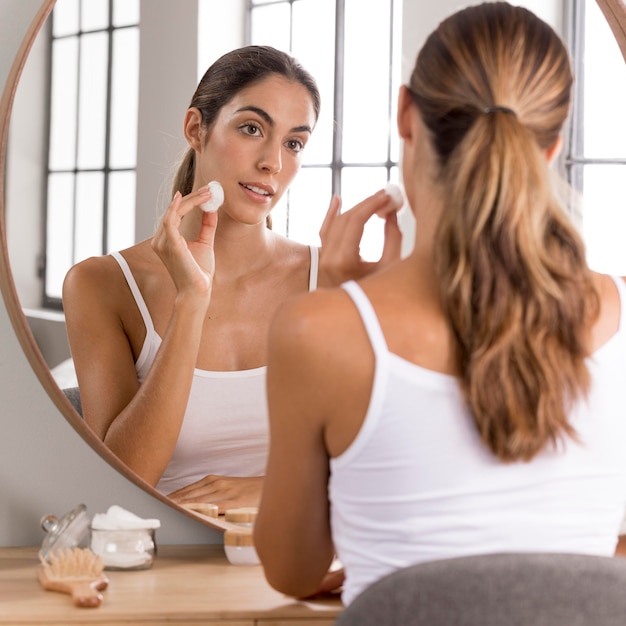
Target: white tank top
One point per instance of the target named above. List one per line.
(225, 428)
(417, 483)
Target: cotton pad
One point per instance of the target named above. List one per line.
(395, 192)
(216, 200)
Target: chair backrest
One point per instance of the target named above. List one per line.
(497, 590)
(73, 395)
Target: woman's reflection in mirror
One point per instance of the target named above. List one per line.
(169, 336)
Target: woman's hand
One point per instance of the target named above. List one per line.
(341, 234)
(228, 492)
(191, 264)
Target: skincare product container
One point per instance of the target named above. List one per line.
(239, 547)
(244, 516)
(124, 549)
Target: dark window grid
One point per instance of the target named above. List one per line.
(575, 150)
(337, 165)
(48, 301)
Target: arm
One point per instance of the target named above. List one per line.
(292, 530)
(140, 424)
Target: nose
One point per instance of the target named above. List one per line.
(270, 160)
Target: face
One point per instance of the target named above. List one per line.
(255, 146)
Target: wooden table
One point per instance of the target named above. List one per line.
(187, 585)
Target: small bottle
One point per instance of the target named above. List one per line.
(239, 547)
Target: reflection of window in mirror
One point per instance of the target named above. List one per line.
(93, 123)
(93, 134)
(352, 47)
(596, 152)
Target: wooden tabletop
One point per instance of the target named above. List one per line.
(186, 585)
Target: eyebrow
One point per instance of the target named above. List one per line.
(268, 118)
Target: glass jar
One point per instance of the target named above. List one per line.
(124, 549)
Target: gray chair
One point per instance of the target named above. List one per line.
(73, 395)
(497, 590)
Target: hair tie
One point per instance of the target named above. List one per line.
(497, 107)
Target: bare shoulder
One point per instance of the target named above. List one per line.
(97, 284)
(92, 275)
(99, 274)
(315, 315)
(610, 310)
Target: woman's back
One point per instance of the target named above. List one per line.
(418, 483)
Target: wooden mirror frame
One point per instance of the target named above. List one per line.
(14, 308)
(614, 12)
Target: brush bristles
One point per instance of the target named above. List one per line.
(73, 563)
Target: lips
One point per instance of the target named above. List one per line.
(262, 190)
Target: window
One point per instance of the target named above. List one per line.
(92, 136)
(596, 146)
(352, 48)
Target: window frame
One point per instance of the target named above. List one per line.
(49, 301)
(337, 165)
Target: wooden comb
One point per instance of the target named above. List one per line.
(77, 572)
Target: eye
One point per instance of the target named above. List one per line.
(251, 129)
(295, 145)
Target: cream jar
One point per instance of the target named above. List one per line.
(239, 547)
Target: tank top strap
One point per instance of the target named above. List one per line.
(368, 316)
(134, 288)
(315, 263)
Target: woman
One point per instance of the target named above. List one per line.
(468, 399)
(169, 336)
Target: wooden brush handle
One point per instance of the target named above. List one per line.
(86, 593)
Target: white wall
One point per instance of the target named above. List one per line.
(45, 467)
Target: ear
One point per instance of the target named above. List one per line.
(192, 127)
(554, 150)
(406, 111)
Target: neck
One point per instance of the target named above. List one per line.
(240, 249)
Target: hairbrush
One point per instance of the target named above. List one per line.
(77, 572)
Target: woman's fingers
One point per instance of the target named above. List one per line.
(334, 209)
(341, 236)
(392, 247)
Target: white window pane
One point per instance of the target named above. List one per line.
(308, 203)
(356, 184)
(59, 223)
(605, 100)
(270, 27)
(124, 98)
(604, 217)
(92, 107)
(65, 18)
(94, 14)
(121, 211)
(256, 2)
(367, 40)
(396, 81)
(88, 226)
(125, 12)
(313, 22)
(63, 104)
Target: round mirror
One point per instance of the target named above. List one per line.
(613, 10)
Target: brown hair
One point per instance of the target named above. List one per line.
(224, 79)
(492, 84)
